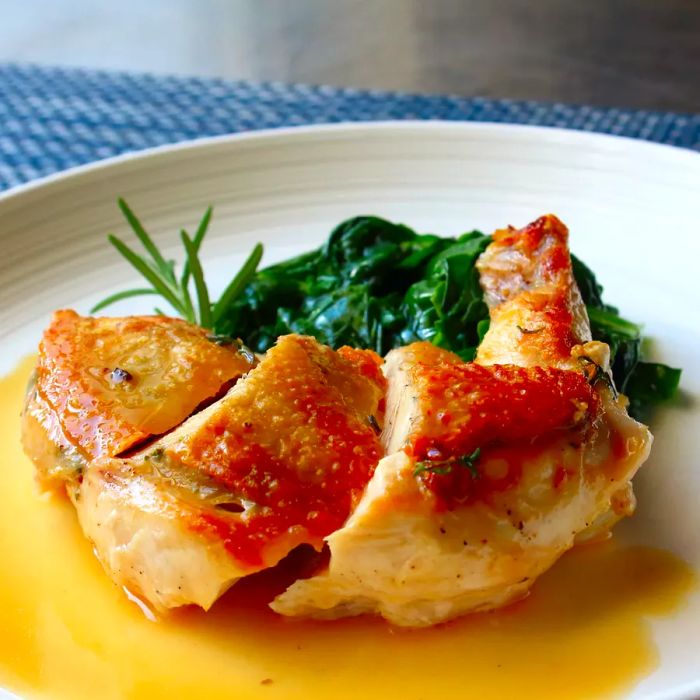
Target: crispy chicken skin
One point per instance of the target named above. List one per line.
(493, 469)
(104, 385)
(281, 460)
(537, 315)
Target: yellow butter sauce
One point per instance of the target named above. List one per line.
(67, 632)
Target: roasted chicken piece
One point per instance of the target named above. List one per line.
(179, 507)
(281, 460)
(104, 385)
(493, 468)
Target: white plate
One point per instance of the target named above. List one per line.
(633, 209)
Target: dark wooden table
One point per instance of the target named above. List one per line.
(636, 53)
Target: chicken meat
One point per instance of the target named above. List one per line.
(439, 486)
(279, 461)
(492, 469)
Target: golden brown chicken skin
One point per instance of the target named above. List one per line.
(280, 461)
(537, 315)
(104, 385)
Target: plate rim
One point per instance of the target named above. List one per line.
(576, 137)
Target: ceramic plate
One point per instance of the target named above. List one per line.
(633, 209)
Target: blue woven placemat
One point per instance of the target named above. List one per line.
(54, 118)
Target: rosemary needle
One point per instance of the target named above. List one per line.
(199, 284)
(238, 283)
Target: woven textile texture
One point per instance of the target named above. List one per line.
(55, 118)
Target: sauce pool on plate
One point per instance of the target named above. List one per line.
(68, 632)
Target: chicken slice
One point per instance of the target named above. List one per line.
(493, 468)
(539, 319)
(281, 460)
(104, 385)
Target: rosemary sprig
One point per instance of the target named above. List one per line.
(446, 466)
(161, 275)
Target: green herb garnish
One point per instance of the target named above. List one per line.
(161, 275)
(596, 373)
(227, 341)
(446, 466)
(529, 331)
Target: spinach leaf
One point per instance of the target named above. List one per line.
(447, 305)
(648, 384)
(644, 383)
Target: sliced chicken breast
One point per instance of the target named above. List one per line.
(493, 468)
(281, 460)
(104, 385)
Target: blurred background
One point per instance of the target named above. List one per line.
(628, 53)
